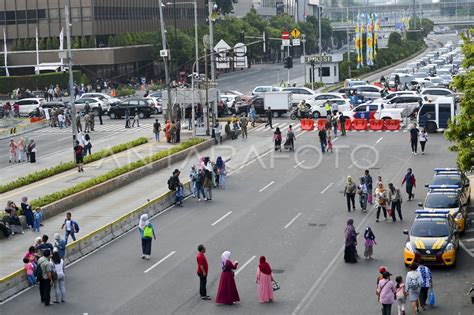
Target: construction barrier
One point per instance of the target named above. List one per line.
(376, 124)
(113, 93)
(392, 124)
(378, 84)
(359, 124)
(322, 123)
(348, 124)
(307, 124)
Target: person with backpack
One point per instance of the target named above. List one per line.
(156, 130)
(175, 185)
(44, 275)
(199, 185)
(71, 227)
(277, 139)
(412, 286)
(147, 232)
(410, 182)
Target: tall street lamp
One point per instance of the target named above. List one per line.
(165, 59)
(195, 29)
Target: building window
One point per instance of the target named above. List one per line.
(326, 71)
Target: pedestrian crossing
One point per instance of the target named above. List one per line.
(100, 128)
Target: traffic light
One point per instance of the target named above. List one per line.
(289, 62)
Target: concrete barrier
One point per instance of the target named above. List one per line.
(5, 134)
(16, 282)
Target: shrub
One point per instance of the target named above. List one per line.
(42, 201)
(125, 91)
(32, 82)
(62, 167)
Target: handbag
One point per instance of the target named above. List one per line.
(431, 297)
(389, 212)
(275, 285)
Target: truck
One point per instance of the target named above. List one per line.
(436, 115)
(279, 103)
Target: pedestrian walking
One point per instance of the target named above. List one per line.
(277, 139)
(12, 147)
(423, 137)
(363, 193)
(253, 115)
(290, 139)
(220, 164)
(400, 295)
(412, 286)
(342, 121)
(349, 192)
(369, 238)
(21, 150)
(61, 120)
(32, 151)
(368, 183)
(334, 121)
(79, 154)
(59, 280)
(329, 143)
(71, 227)
(78, 122)
(269, 116)
(381, 201)
(193, 177)
(147, 233)
(200, 185)
(99, 113)
(323, 139)
(217, 133)
(136, 119)
(45, 275)
(178, 131)
(395, 200)
(59, 245)
(202, 271)
(227, 291)
(127, 117)
(426, 284)
(350, 234)
(410, 183)
(244, 122)
(173, 131)
(27, 211)
(37, 217)
(264, 279)
(157, 130)
(386, 293)
(87, 145)
(414, 138)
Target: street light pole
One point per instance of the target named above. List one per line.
(211, 42)
(165, 59)
(348, 46)
(303, 39)
(71, 78)
(320, 46)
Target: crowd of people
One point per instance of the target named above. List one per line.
(23, 150)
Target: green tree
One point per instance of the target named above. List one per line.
(111, 41)
(42, 44)
(225, 6)
(91, 42)
(77, 43)
(394, 39)
(461, 129)
(84, 42)
(55, 42)
(49, 44)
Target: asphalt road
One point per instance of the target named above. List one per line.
(294, 213)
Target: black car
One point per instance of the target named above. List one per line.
(144, 106)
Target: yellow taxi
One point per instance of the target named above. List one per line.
(432, 239)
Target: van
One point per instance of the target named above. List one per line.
(436, 115)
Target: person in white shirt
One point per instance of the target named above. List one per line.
(423, 137)
(59, 281)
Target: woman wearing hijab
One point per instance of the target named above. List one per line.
(227, 292)
(21, 150)
(32, 151)
(26, 209)
(349, 192)
(381, 201)
(220, 164)
(147, 232)
(277, 139)
(264, 280)
(369, 243)
(350, 253)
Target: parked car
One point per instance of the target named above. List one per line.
(93, 103)
(106, 98)
(368, 92)
(262, 89)
(28, 105)
(410, 103)
(143, 105)
(299, 93)
(231, 101)
(317, 102)
(433, 93)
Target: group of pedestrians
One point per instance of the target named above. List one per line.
(11, 223)
(172, 130)
(289, 143)
(418, 136)
(206, 176)
(82, 148)
(22, 151)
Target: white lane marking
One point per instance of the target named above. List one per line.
(351, 166)
(244, 265)
(327, 187)
(65, 138)
(292, 220)
(469, 251)
(469, 240)
(335, 139)
(221, 218)
(379, 140)
(300, 163)
(266, 186)
(160, 261)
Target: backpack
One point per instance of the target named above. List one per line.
(413, 284)
(38, 272)
(75, 226)
(171, 183)
(147, 232)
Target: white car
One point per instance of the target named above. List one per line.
(318, 101)
(93, 103)
(407, 102)
(28, 105)
(105, 98)
(263, 89)
(434, 93)
(231, 101)
(299, 94)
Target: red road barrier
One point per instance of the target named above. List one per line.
(378, 84)
(348, 125)
(392, 124)
(359, 124)
(376, 124)
(307, 124)
(322, 123)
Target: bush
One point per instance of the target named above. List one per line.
(125, 91)
(42, 201)
(62, 167)
(316, 85)
(33, 82)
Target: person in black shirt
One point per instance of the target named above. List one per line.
(414, 139)
(269, 115)
(79, 153)
(323, 139)
(342, 120)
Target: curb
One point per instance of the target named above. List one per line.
(6, 134)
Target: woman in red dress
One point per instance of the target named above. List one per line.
(227, 291)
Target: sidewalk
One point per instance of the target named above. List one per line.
(103, 210)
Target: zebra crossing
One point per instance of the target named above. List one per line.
(99, 128)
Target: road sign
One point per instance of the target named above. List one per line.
(240, 59)
(295, 33)
(285, 42)
(285, 35)
(318, 59)
(296, 42)
(222, 60)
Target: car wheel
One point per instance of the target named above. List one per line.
(431, 127)
(293, 116)
(141, 115)
(316, 115)
(113, 116)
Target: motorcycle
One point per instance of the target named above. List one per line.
(296, 114)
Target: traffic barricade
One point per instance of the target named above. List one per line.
(307, 124)
(348, 124)
(392, 124)
(359, 124)
(322, 123)
(378, 84)
(376, 124)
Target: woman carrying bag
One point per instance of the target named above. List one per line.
(147, 232)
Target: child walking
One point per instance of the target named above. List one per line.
(400, 294)
(37, 216)
(30, 271)
(369, 243)
(329, 148)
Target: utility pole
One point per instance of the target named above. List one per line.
(211, 42)
(348, 45)
(196, 38)
(320, 46)
(165, 60)
(71, 78)
(414, 14)
(303, 40)
(207, 89)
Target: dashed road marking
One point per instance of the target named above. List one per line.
(160, 261)
(292, 220)
(266, 186)
(244, 265)
(222, 218)
(327, 187)
(299, 164)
